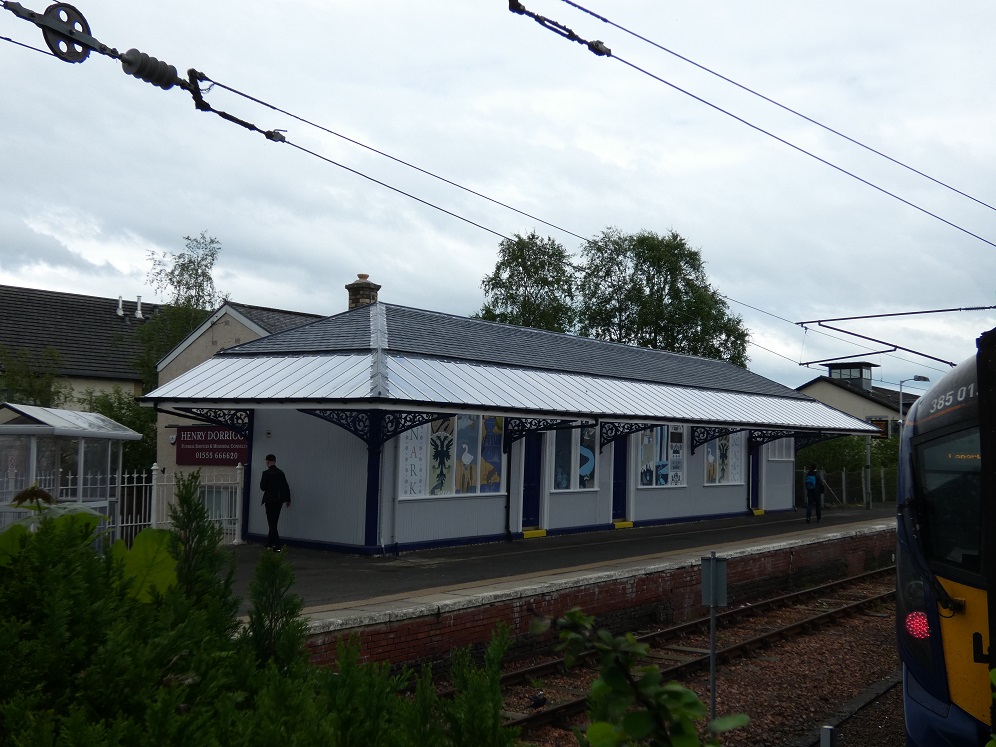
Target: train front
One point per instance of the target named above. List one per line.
(941, 606)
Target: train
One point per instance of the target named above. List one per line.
(942, 608)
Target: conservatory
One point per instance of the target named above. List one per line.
(74, 456)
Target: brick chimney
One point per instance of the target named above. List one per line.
(362, 291)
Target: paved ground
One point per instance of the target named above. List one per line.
(333, 583)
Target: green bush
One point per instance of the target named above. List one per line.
(119, 648)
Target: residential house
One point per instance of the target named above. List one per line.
(93, 338)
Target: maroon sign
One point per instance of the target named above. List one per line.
(210, 445)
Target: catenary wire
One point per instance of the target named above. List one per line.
(802, 150)
(598, 48)
(393, 158)
(816, 330)
(26, 46)
(270, 135)
(778, 104)
(279, 138)
(395, 189)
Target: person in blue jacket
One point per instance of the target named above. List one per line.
(814, 494)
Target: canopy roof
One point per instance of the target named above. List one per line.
(36, 421)
(398, 358)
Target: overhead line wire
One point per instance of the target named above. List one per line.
(802, 150)
(395, 189)
(276, 136)
(599, 49)
(393, 158)
(26, 46)
(777, 103)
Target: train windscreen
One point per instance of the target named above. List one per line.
(948, 502)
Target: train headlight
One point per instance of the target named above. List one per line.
(917, 625)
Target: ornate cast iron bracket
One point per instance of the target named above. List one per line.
(610, 431)
(376, 427)
(516, 428)
(760, 438)
(703, 434)
(239, 421)
(802, 440)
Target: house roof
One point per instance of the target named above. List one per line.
(260, 319)
(92, 340)
(888, 398)
(274, 320)
(31, 420)
(404, 358)
(404, 330)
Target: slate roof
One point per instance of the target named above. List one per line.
(879, 395)
(92, 340)
(274, 320)
(401, 330)
(395, 357)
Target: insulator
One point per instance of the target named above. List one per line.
(147, 68)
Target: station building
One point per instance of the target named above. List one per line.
(401, 428)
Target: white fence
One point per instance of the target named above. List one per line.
(136, 500)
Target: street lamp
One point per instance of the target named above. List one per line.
(918, 377)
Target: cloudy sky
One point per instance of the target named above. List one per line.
(99, 168)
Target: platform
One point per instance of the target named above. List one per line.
(347, 591)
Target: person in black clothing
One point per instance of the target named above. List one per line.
(814, 494)
(276, 492)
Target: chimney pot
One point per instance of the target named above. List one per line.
(362, 291)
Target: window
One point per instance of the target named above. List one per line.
(574, 458)
(724, 460)
(456, 456)
(662, 456)
(782, 450)
(948, 482)
(850, 373)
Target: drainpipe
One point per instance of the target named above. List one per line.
(508, 497)
(374, 450)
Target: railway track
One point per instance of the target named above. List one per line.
(534, 700)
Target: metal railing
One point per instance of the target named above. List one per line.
(132, 501)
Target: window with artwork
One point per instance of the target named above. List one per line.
(456, 456)
(662, 457)
(724, 459)
(574, 459)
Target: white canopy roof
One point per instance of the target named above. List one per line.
(32, 420)
(399, 382)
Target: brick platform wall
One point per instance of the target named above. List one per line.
(661, 596)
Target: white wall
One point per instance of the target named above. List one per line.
(445, 517)
(777, 486)
(694, 500)
(566, 509)
(326, 467)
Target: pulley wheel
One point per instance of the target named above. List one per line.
(63, 46)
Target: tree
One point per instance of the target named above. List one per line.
(185, 278)
(652, 291)
(848, 453)
(532, 285)
(32, 378)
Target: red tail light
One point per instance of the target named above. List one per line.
(917, 625)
